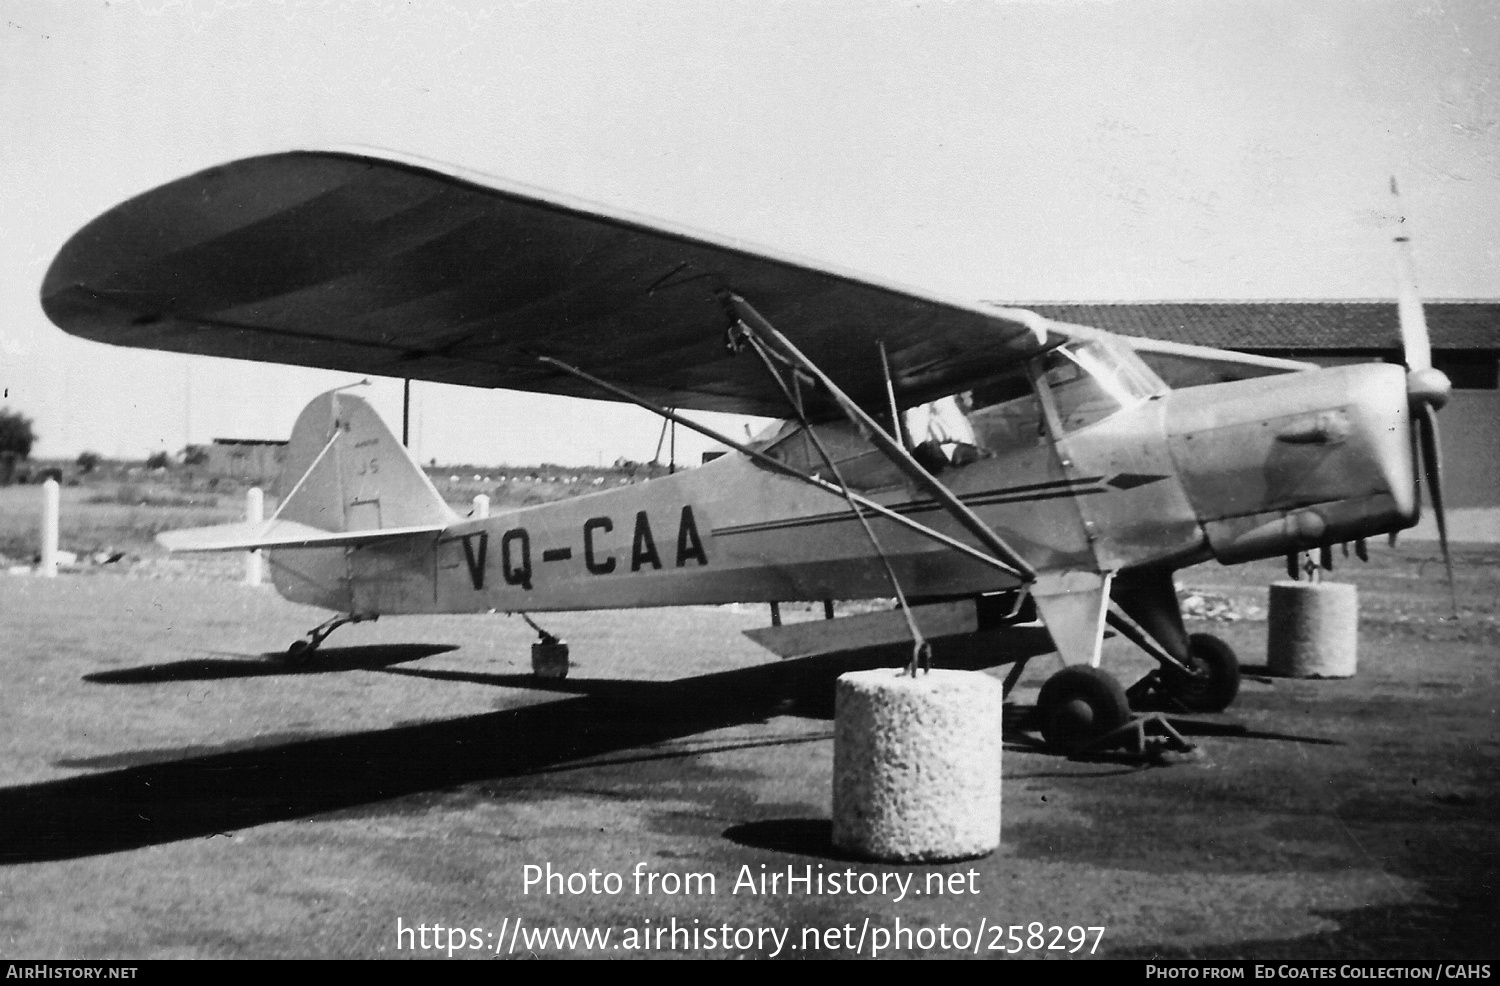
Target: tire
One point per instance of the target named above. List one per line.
(1216, 676)
(298, 653)
(1079, 704)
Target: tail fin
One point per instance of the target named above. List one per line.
(346, 482)
(345, 472)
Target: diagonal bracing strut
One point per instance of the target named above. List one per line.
(786, 470)
(921, 657)
(756, 326)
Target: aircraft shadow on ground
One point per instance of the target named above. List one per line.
(1200, 727)
(205, 795)
(201, 796)
(330, 660)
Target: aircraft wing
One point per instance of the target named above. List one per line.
(379, 264)
(1185, 365)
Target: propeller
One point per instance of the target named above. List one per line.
(1427, 388)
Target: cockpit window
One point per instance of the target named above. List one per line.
(1005, 413)
(940, 433)
(1089, 382)
(860, 464)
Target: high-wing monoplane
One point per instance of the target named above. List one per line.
(984, 465)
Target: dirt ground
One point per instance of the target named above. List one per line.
(168, 788)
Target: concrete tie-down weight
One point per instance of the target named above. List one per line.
(916, 765)
(1313, 630)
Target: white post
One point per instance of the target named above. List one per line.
(50, 495)
(255, 507)
(481, 506)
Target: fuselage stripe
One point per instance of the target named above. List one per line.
(1016, 494)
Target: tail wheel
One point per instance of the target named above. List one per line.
(1079, 704)
(1215, 678)
(297, 654)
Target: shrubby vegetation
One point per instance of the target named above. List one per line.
(17, 436)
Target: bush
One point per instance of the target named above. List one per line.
(17, 436)
(89, 461)
(158, 460)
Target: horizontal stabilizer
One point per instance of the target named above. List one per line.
(252, 536)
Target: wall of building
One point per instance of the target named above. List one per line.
(1470, 427)
(260, 463)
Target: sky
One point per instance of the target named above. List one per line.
(1014, 151)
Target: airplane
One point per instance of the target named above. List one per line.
(983, 465)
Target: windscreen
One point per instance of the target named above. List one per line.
(1089, 381)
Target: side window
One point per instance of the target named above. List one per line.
(861, 464)
(940, 434)
(1005, 413)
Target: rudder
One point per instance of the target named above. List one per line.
(345, 471)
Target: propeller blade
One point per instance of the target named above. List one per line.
(1292, 566)
(1416, 346)
(1432, 466)
(1325, 557)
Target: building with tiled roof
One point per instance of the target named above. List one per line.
(1286, 326)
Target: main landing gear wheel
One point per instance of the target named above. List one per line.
(1080, 704)
(1215, 679)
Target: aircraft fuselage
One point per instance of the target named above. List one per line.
(1188, 475)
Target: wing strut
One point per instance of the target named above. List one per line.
(783, 468)
(921, 654)
(753, 326)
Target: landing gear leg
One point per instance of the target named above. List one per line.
(1199, 672)
(301, 650)
(1082, 703)
(1012, 676)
